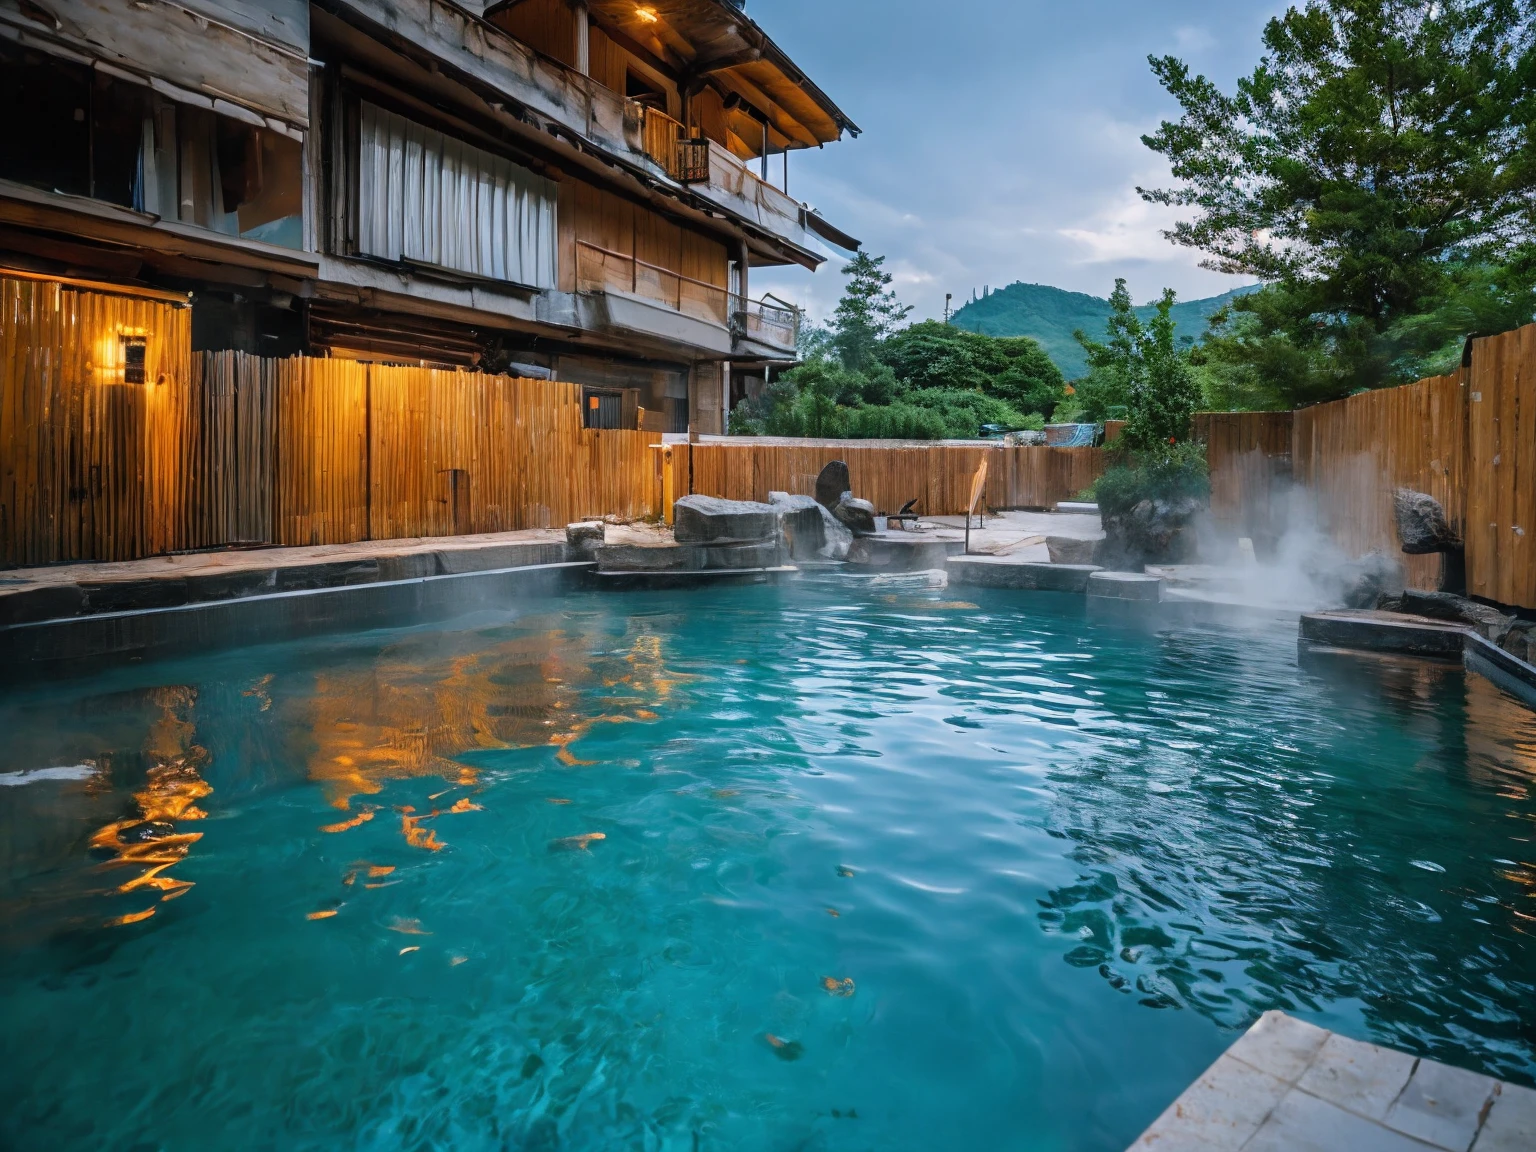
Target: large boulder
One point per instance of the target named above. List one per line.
(1150, 532)
(711, 520)
(1421, 524)
(857, 515)
(832, 484)
(810, 529)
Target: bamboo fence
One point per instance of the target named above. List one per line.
(937, 476)
(1467, 439)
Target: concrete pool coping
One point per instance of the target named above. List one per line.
(80, 645)
(1289, 1085)
(1396, 633)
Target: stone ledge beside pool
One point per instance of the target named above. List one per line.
(1125, 586)
(1004, 572)
(1286, 1084)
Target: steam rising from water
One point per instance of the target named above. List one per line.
(1282, 554)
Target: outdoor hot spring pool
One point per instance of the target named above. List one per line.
(825, 866)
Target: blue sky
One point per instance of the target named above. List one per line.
(1001, 140)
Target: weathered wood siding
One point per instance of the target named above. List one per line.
(1500, 520)
(938, 476)
(225, 53)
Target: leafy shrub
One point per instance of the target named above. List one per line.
(1177, 474)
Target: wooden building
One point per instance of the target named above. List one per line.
(576, 190)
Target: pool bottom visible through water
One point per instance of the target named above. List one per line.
(822, 866)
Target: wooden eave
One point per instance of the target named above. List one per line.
(712, 42)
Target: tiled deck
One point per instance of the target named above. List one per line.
(1291, 1086)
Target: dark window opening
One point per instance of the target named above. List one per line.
(641, 90)
(46, 108)
(69, 130)
(220, 323)
(134, 349)
(603, 409)
(677, 415)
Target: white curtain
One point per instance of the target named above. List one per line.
(428, 197)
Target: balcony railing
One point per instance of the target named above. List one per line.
(777, 324)
(769, 322)
(667, 142)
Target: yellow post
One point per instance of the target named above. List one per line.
(668, 484)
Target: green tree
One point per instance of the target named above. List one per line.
(1379, 157)
(1147, 371)
(867, 313)
(1016, 370)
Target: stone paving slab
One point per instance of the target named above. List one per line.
(1289, 1086)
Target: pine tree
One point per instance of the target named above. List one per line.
(1380, 158)
(867, 313)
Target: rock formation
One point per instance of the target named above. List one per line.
(810, 529)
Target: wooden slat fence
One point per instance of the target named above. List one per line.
(1250, 460)
(1500, 521)
(938, 476)
(224, 448)
(90, 466)
(1351, 454)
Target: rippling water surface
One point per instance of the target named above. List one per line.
(820, 867)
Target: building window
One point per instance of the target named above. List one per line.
(73, 130)
(603, 409)
(428, 198)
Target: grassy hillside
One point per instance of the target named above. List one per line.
(1051, 315)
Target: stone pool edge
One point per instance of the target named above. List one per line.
(76, 645)
(1288, 1084)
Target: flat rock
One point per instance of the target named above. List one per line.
(1001, 572)
(1074, 549)
(1125, 586)
(648, 558)
(1371, 630)
(711, 520)
(1079, 507)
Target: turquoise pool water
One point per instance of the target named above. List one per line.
(828, 866)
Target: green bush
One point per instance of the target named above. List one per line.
(1169, 475)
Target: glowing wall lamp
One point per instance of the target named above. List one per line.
(135, 349)
(647, 15)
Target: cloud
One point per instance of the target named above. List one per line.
(1192, 40)
(1127, 229)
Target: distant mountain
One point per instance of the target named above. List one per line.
(1051, 315)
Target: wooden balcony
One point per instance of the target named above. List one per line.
(765, 322)
(667, 142)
